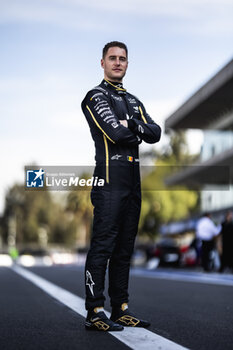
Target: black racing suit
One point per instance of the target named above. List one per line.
(117, 204)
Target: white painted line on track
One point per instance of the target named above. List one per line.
(135, 338)
(205, 278)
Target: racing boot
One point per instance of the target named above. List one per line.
(123, 316)
(98, 321)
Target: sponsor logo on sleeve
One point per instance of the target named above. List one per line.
(95, 95)
(114, 125)
(99, 111)
(106, 119)
(100, 105)
(140, 129)
(106, 113)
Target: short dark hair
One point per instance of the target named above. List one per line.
(113, 44)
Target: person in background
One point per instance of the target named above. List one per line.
(227, 242)
(206, 231)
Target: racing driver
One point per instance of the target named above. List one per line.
(118, 123)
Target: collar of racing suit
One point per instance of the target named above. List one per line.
(116, 87)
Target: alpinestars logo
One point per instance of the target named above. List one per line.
(140, 129)
(129, 117)
(117, 156)
(89, 282)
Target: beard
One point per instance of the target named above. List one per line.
(116, 77)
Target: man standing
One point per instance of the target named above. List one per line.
(119, 123)
(206, 231)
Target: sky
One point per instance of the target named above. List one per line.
(50, 53)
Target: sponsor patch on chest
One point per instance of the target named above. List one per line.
(132, 100)
(117, 98)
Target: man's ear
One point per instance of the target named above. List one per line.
(102, 63)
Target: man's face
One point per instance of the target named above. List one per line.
(115, 64)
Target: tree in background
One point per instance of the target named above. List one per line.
(40, 217)
(36, 218)
(79, 204)
(162, 204)
(28, 210)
